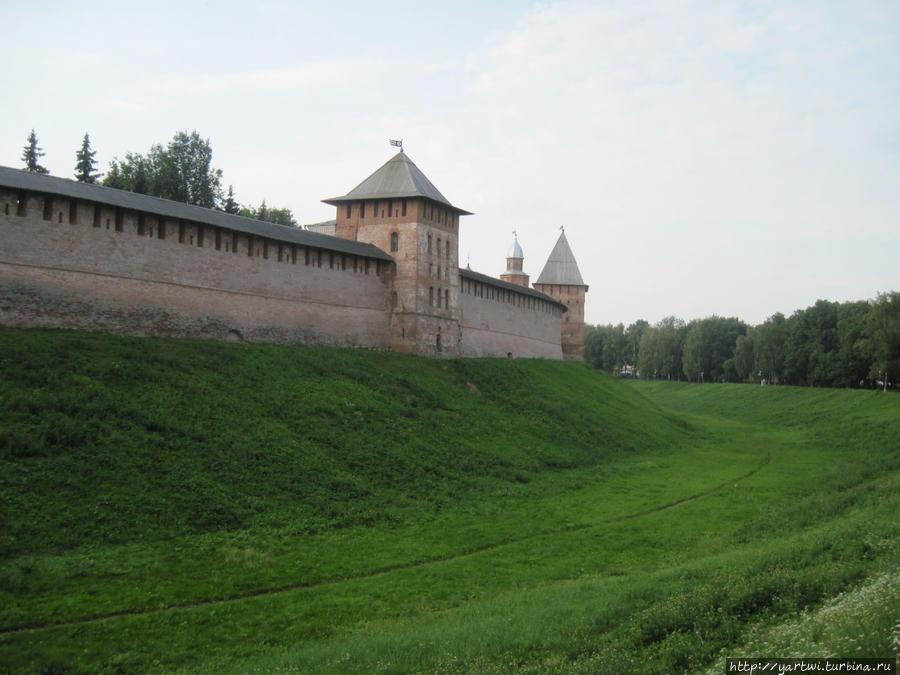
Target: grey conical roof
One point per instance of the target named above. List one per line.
(398, 177)
(561, 267)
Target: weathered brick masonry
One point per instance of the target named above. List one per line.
(67, 262)
(86, 256)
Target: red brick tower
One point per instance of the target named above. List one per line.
(400, 211)
(562, 280)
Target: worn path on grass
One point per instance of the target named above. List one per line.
(389, 569)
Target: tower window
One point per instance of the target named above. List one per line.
(431, 296)
(395, 241)
(447, 298)
(390, 208)
(439, 246)
(48, 208)
(73, 212)
(404, 206)
(362, 210)
(348, 209)
(161, 228)
(429, 243)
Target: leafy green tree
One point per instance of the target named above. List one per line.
(113, 177)
(85, 162)
(132, 174)
(769, 347)
(744, 360)
(708, 344)
(186, 166)
(660, 352)
(854, 361)
(593, 346)
(614, 347)
(648, 353)
(693, 360)
(813, 345)
(882, 337)
(181, 171)
(32, 154)
(277, 216)
(633, 333)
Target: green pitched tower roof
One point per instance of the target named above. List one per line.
(561, 268)
(398, 177)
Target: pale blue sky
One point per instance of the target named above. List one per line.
(736, 158)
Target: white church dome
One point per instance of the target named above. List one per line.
(515, 251)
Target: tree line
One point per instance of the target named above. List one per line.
(181, 170)
(830, 344)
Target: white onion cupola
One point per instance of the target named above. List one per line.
(514, 260)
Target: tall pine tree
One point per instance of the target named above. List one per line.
(32, 154)
(84, 163)
(230, 205)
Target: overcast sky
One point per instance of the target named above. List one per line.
(730, 158)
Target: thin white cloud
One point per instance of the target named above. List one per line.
(307, 75)
(709, 128)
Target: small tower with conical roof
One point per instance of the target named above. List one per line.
(401, 212)
(561, 279)
(514, 260)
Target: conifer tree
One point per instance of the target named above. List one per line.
(230, 205)
(32, 154)
(84, 163)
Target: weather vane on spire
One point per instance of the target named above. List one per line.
(515, 235)
(562, 228)
(397, 143)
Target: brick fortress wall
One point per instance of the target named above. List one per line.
(113, 261)
(497, 321)
(71, 263)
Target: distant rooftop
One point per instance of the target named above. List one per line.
(398, 177)
(325, 227)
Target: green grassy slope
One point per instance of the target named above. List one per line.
(111, 440)
(191, 505)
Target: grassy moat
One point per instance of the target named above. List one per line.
(193, 506)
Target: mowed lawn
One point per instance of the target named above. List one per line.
(191, 506)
